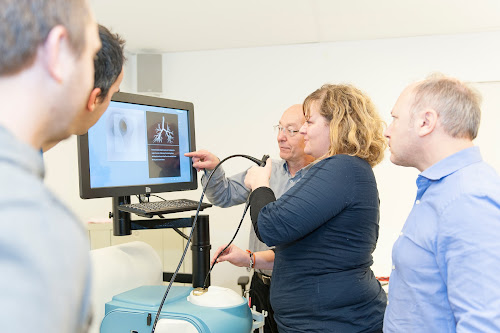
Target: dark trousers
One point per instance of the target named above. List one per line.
(259, 293)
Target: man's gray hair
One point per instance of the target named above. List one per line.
(457, 103)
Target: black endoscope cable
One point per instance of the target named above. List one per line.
(253, 159)
(247, 204)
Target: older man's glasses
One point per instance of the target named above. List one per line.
(286, 131)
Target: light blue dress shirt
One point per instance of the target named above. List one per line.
(446, 263)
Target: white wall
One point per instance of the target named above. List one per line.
(240, 94)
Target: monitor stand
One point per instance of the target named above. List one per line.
(200, 247)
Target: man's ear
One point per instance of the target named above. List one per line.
(93, 99)
(427, 122)
(55, 52)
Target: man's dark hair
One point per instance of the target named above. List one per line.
(109, 62)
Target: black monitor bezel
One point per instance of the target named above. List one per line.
(86, 192)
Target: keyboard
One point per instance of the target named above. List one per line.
(149, 209)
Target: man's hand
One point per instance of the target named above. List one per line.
(203, 159)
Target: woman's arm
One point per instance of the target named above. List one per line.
(325, 191)
(259, 198)
(264, 259)
(241, 258)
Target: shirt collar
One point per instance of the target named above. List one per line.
(284, 167)
(298, 173)
(452, 163)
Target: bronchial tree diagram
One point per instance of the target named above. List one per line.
(169, 134)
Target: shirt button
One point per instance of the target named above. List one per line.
(417, 202)
(393, 267)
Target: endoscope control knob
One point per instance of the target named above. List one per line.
(264, 159)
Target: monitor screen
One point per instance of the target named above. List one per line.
(138, 147)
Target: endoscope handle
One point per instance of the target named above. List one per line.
(260, 163)
(263, 161)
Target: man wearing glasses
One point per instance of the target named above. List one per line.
(227, 192)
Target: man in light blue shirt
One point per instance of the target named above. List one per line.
(446, 262)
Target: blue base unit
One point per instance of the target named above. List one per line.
(135, 311)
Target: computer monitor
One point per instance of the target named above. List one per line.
(137, 147)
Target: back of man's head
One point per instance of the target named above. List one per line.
(109, 62)
(25, 25)
(458, 104)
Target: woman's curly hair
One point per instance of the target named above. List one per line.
(356, 128)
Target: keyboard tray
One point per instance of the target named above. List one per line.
(149, 209)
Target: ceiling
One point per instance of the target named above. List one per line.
(159, 26)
